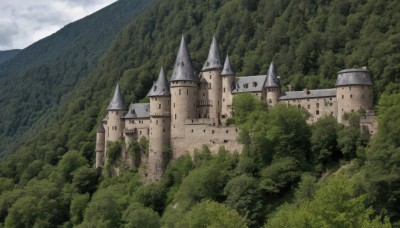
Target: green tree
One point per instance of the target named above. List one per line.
(211, 214)
(136, 215)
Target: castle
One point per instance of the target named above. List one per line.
(189, 111)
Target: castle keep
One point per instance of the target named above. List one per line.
(190, 110)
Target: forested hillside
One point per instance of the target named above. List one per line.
(289, 173)
(33, 83)
(6, 55)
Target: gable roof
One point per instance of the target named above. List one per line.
(138, 110)
(249, 84)
(311, 94)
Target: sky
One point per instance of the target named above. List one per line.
(23, 22)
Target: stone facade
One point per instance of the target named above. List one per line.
(189, 111)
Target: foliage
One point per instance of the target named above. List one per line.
(335, 204)
(211, 214)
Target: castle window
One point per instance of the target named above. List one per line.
(308, 106)
(330, 98)
(317, 112)
(299, 106)
(227, 131)
(349, 87)
(363, 96)
(179, 91)
(159, 106)
(174, 105)
(156, 122)
(224, 89)
(317, 105)
(204, 131)
(270, 101)
(210, 76)
(351, 95)
(223, 100)
(342, 96)
(163, 130)
(187, 91)
(209, 85)
(175, 115)
(212, 132)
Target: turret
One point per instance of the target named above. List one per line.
(116, 110)
(211, 72)
(272, 86)
(228, 78)
(184, 90)
(353, 91)
(100, 145)
(160, 124)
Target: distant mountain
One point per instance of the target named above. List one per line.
(34, 82)
(6, 55)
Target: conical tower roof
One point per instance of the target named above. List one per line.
(214, 58)
(272, 77)
(228, 69)
(101, 129)
(117, 102)
(183, 68)
(160, 87)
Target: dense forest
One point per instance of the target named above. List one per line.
(290, 174)
(40, 77)
(9, 54)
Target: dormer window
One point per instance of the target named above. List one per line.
(246, 85)
(155, 88)
(254, 84)
(207, 63)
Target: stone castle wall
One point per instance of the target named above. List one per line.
(316, 107)
(352, 98)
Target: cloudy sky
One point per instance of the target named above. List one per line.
(22, 22)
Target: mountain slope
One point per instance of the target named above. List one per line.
(34, 82)
(6, 55)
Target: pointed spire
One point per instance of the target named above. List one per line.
(183, 68)
(228, 69)
(272, 77)
(101, 129)
(160, 87)
(214, 58)
(117, 102)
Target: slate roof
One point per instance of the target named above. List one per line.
(354, 77)
(183, 68)
(161, 86)
(272, 78)
(101, 129)
(138, 110)
(312, 94)
(117, 102)
(228, 69)
(214, 58)
(249, 84)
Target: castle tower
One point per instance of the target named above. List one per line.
(211, 72)
(184, 91)
(100, 139)
(116, 111)
(160, 124)
(228, 78)
(272, 86)
(353, 91)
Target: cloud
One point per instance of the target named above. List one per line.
(8, 30)
(23, 22)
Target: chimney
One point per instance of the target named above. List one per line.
(289, 87)
(306, 91)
